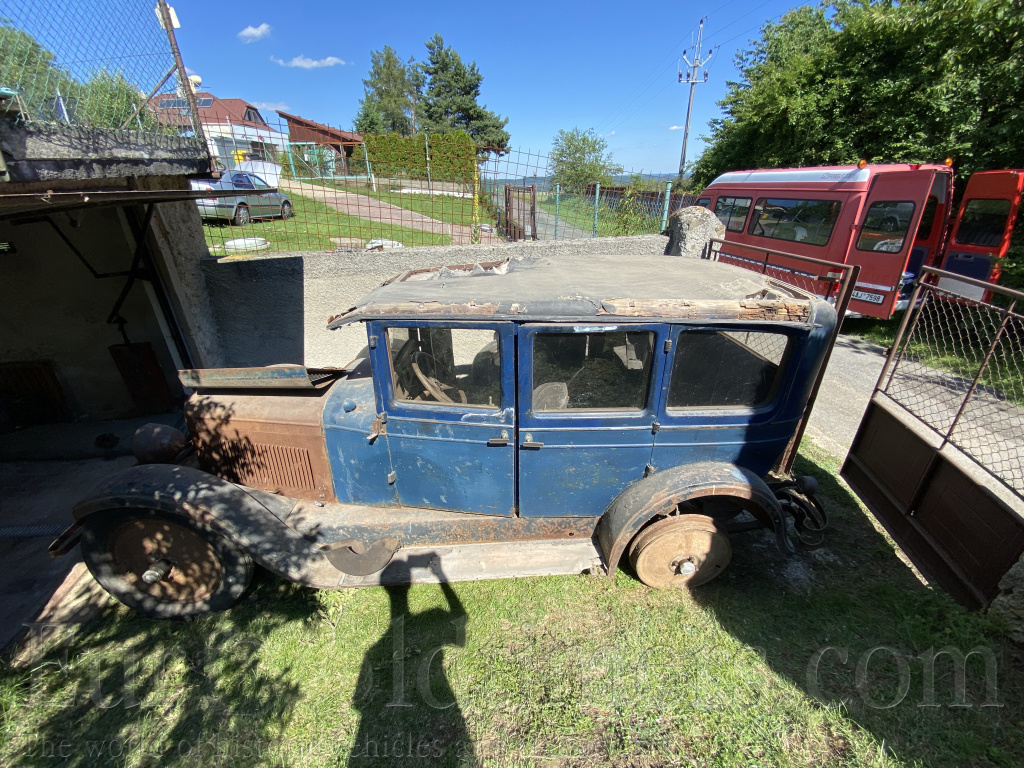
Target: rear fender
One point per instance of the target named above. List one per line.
(661, 493)
(251, 519)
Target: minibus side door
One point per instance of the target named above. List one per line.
(983, 228)
(885, 235)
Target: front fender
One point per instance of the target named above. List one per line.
(662, 492)
(238, 513)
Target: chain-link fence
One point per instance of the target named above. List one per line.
(339, 191)
(101, 65)
(959, 368)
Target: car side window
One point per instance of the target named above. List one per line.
(241, 181)
(732, 212)
(259, 183)
(726, 369)
(446, 366)
(591, 371)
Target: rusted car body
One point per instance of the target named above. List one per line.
(528, 417)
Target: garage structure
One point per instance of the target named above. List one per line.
(101, 295)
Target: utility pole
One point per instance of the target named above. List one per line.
(692, 77)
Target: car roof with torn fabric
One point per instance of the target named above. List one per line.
(586, 288)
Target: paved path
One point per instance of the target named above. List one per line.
(371, 209)
(849, 381)
(566, 231)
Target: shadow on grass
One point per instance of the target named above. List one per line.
(409, 714)
(126, 690)
(852, 626)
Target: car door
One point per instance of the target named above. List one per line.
(269, 203)
(731, 394)
(587, 400)
(983, 228)
(885, 236)
(247, 193)
(448, 397)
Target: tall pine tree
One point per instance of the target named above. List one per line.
(450, 100)
(387, 104)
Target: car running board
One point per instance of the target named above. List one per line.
(477, 562)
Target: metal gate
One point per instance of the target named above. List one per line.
(519, 219)
(939, 455)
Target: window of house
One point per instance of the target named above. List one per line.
(885, 226)
(983, 222)
(252, 116)
(591, 371)
(800, 221)
(446, 366)
(732, 212)
(737, 369)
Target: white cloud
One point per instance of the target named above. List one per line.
(251, 34)
(610, 134)
(675, 127)
(271, 106)
(304, 62)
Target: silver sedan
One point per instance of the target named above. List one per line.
(250, 203)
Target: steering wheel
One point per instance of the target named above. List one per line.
(431, 383)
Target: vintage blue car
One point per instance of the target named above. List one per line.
(533, 416)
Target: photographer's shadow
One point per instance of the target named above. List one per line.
(408, 711)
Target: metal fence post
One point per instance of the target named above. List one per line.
(558, 194)
(668, 199)
(426, 143)
(597, 200)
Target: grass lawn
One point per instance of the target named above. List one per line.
(311, 228)
(561, 671)
(452, 210)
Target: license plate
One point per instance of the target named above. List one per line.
(874, 298)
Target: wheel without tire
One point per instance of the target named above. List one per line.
(164, 565)
(682, 551)
(241, 217)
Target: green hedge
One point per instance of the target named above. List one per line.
(452, 156)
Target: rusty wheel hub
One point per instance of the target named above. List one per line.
(680, 551)
(142, 548)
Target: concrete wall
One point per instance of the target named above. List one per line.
(51, 308)
(274, 309)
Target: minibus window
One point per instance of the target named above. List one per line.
(885, 226)
(732, 212)
(924, 229)
(983, 222)
(703, 202)
(801, 221)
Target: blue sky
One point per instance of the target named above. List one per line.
(546, 66)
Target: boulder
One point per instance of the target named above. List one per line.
(690, 230)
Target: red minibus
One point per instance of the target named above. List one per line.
(890, 219)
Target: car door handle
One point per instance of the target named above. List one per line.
(532, 444)
(498, 441)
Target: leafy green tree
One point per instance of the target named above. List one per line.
(388, 95)
(31, 70)
(914, 81)
(580, 158)
(451, 90)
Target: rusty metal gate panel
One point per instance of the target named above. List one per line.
(939, 455)
(519, 219)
